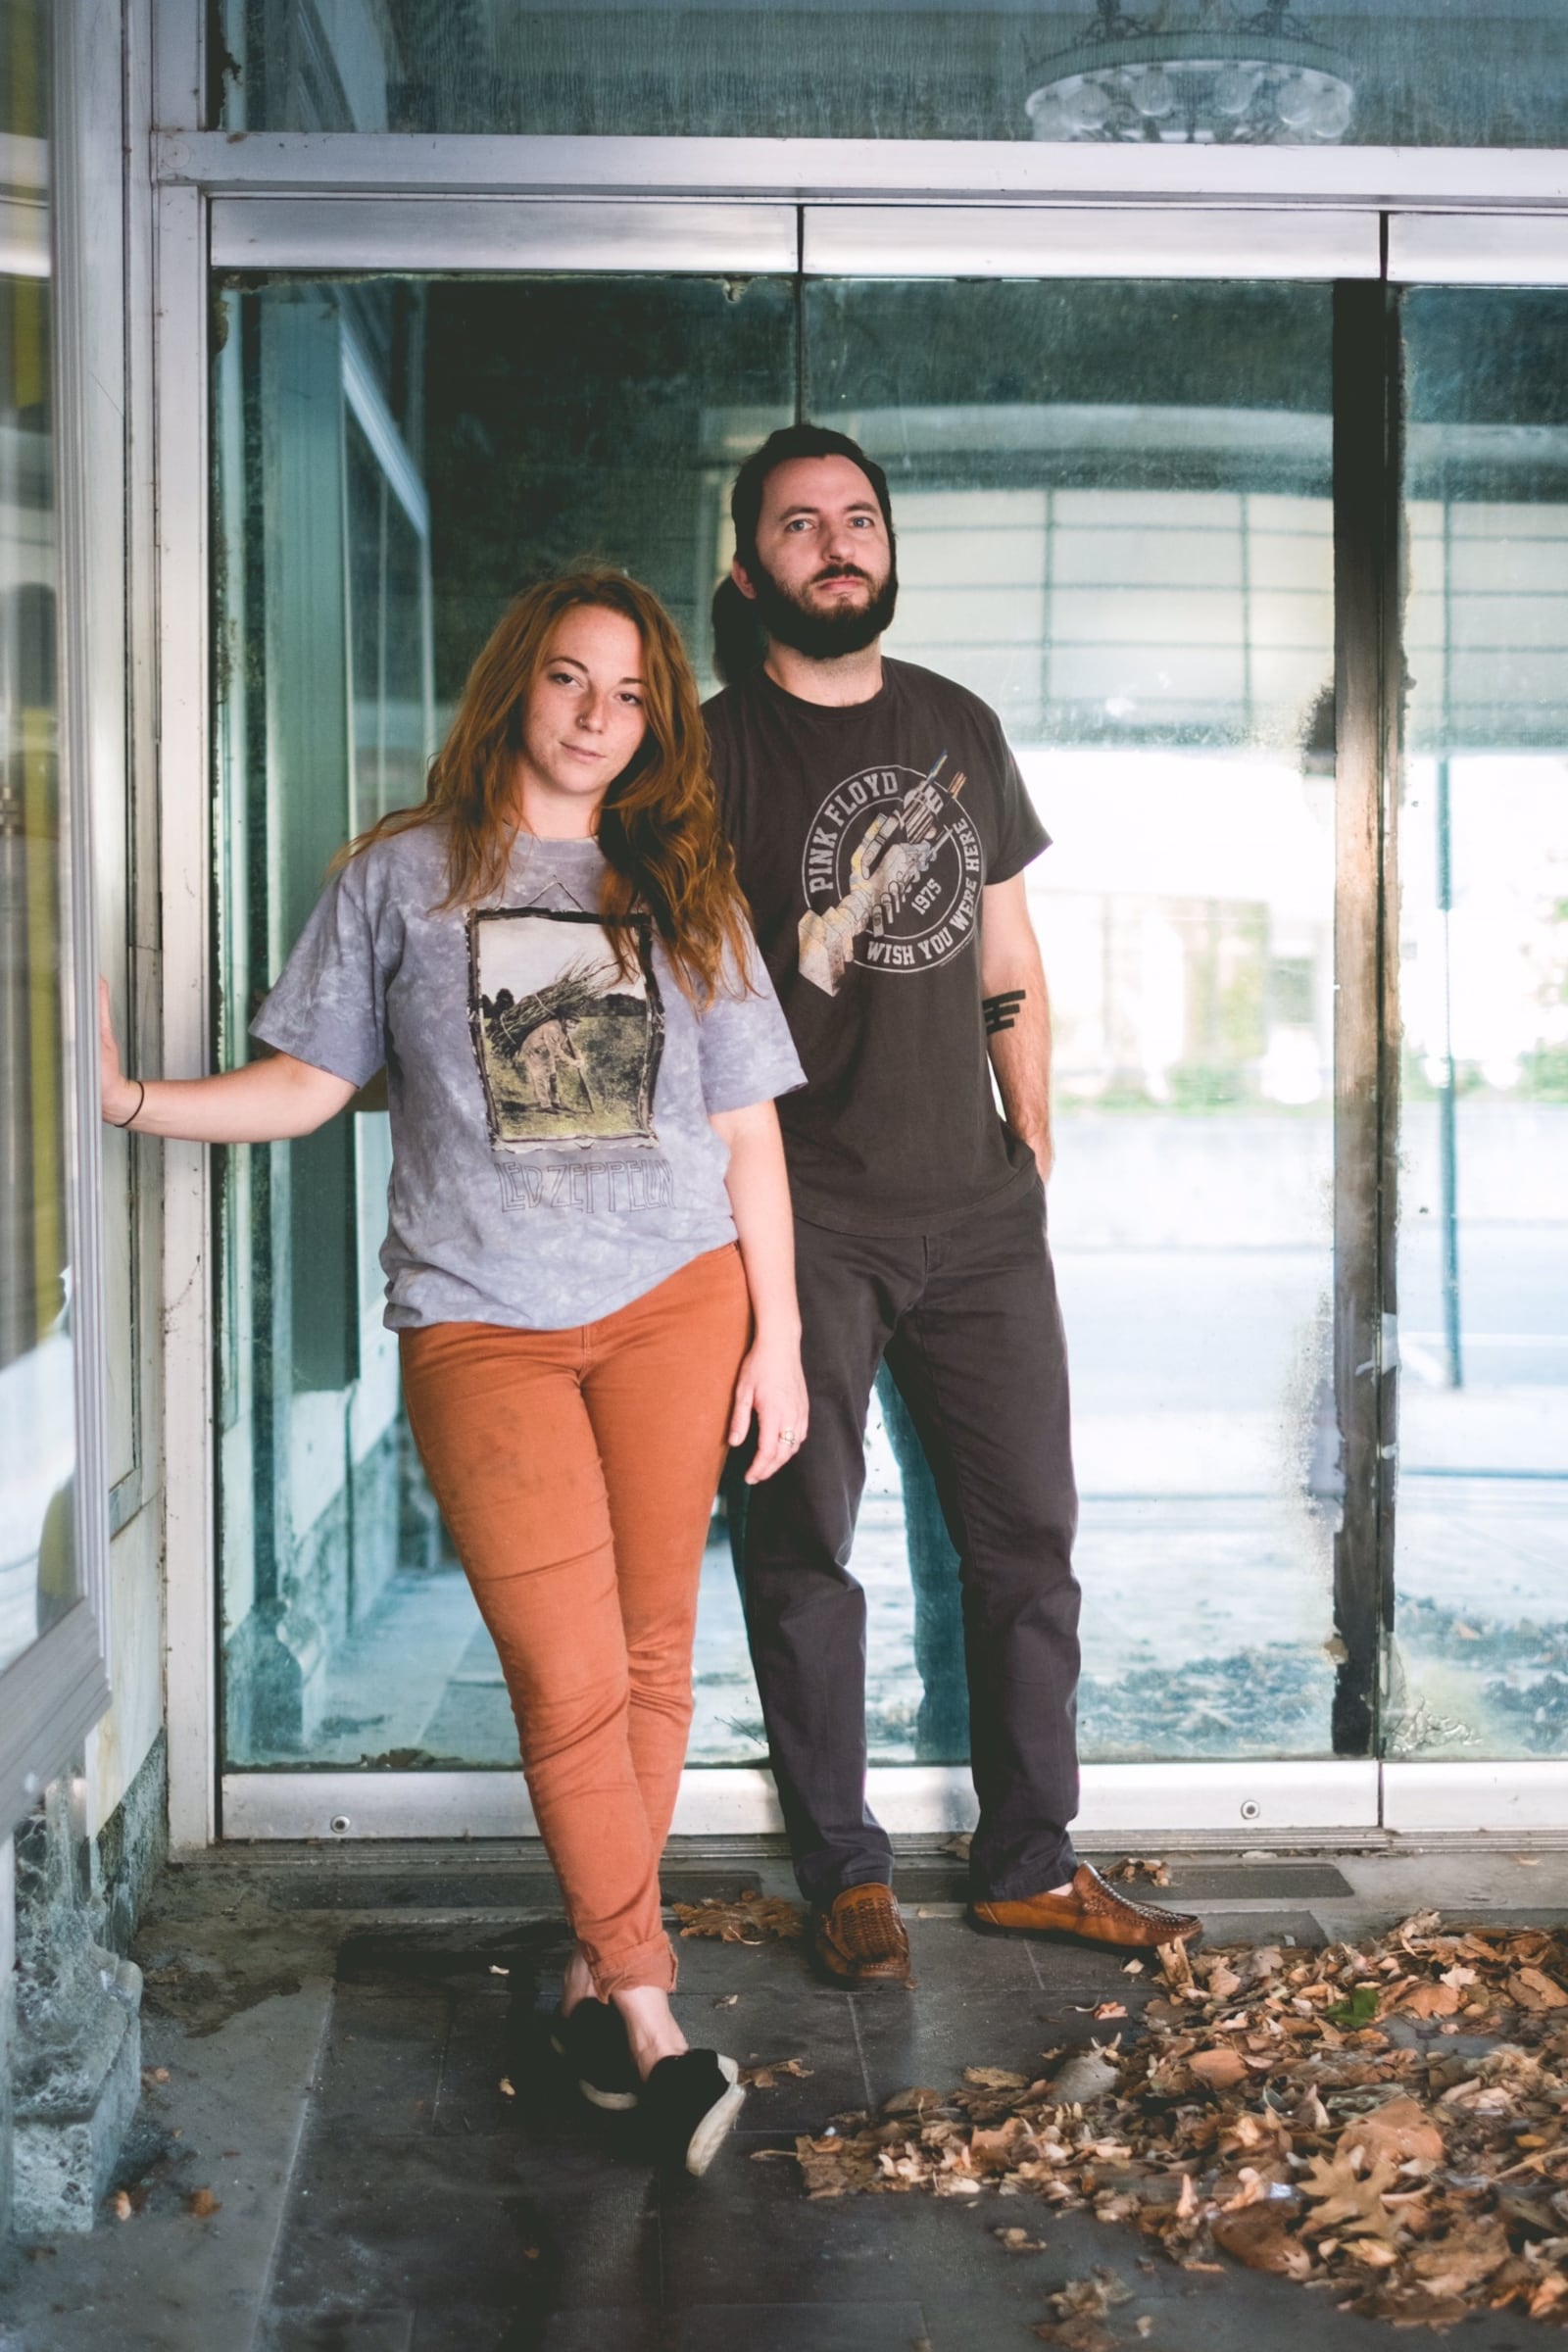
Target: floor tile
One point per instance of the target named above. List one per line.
(800, 2327)
(335, 2330)
(776, 2021)
(466, 2328)
(381, 2064)
(516, 2219)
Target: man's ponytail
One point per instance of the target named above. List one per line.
(738, 641)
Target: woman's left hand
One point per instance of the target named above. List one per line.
(772, 1386)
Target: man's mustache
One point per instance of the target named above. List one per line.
(842, 571)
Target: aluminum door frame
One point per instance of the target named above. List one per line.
(649, 205)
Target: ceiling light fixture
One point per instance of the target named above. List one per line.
(1218, 75)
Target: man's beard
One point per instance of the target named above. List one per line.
(824, 636)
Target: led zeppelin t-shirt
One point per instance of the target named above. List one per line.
(551, 1157)
(864, 837)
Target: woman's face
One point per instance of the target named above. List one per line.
(584, 721)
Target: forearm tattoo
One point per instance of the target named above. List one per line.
(1001, 1011)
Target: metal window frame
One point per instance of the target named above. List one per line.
(333, 201)
(54, 1692)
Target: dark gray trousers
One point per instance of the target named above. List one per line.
(969, 1323)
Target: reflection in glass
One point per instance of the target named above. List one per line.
(1482, 1621)
(395, 460)
(1113, 506)
(38, 1409)
(1375, 72)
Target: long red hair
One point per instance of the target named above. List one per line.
(659, 826)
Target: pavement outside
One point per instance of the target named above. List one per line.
(325, 2161)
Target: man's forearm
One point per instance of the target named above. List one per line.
(1018, 1038)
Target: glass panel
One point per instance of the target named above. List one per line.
(1379, 72)
(1114, 514)
(38, 1576)
(1481, 1622)
(394, 458)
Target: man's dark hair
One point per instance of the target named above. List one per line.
(740, 639)
(788, 442)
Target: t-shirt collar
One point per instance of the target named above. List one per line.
(827, 714)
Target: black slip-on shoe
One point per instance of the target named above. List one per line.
(690, 2104)
(592, 2040)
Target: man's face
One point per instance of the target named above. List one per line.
(824, 580)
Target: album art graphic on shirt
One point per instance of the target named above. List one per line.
(568, 1047)
(892, 875)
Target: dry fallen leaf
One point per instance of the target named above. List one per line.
(1462, 2260)
(1348, 2202)
(505, 2089)
(765, 2076)
(1110, 2008)
(1533, 1989)
(1400, 2128)
(752, 1918)
(1257, 2236)
(1218, 2069)
(1177, 1964)
(995, 2077)
(1431, 2000)
(121, 2206)
(203, 2204)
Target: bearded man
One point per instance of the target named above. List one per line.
(881, 830)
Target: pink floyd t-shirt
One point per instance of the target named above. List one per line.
(864, 838)
(552, 1152)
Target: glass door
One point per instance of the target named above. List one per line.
(1479, 1674)
(1114, 503)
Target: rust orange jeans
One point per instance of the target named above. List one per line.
(576, 1471)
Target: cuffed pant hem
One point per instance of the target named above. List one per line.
(652, 1964)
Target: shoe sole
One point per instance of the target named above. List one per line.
(614, 2102)
(990, 1927)
(717, 2123)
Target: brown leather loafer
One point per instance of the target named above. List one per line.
(1090, 1913)
(862, 1938)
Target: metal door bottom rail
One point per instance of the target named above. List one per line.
(1223, 1806)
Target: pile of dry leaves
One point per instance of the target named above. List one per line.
(1389, 2118)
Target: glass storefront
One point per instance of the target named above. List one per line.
(1481, 1665)
(1306, 73)
(39, 1578)
(1114, 514)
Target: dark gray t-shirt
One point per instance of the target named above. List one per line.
(551, 1157)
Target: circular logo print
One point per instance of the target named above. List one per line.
(892, 875)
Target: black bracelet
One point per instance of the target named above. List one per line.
(136, 1114)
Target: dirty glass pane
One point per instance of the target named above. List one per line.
(395, 459)
(38, 1576)
(1481, 1665)
(1379, 72)
(1112, 506)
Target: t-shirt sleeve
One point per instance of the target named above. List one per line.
(743, 1047)
(329, 1006)
(1020, 836)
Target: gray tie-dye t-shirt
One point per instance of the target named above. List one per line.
(551, 1157)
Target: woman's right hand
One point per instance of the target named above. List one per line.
(116, 1094)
